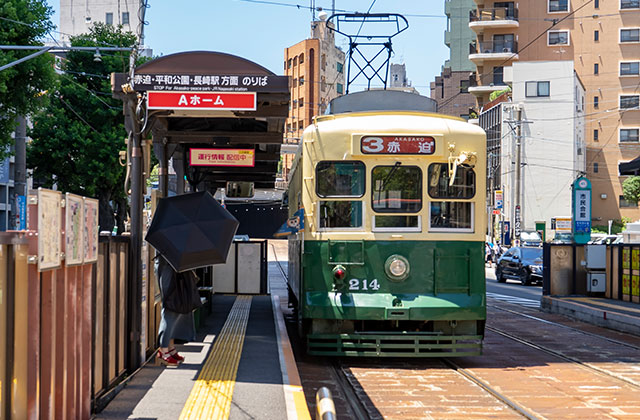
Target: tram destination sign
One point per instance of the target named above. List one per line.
(222, 157)
(398, 145)
(204, 83)
(224, 101)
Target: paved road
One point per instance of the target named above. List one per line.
(511, 288)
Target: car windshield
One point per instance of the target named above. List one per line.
(531, 253)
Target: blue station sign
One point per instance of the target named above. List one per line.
(581, 210)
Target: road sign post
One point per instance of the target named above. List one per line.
(581, 210)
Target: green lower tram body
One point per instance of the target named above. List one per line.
(438, 310)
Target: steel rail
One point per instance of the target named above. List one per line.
(621, 343)
(351, 397)
(564, 357)
(514, 406)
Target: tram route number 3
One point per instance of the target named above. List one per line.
(364, 284)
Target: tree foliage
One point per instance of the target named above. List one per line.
(631, 189)
(77, 137)
(22, 22)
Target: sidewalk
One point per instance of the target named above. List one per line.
(240, 367)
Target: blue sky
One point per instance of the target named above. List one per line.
(260, 32)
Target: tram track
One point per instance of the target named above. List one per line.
(556, 324)
(490, 390)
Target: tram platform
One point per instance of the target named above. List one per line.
(240, 367)
(608, 313)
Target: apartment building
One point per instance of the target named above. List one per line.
(602, 39)
(76, 16)
(315, 67)
(450, 88)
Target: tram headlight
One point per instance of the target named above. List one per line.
(397, 267)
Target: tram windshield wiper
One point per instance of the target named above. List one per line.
(389, 175)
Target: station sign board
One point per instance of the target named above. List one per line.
(203, 83)
(223, 101)
(398, 145)
(581, 210)
(222, 157)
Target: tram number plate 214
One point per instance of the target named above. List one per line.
(363, 284)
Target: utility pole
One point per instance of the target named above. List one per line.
(518, 208)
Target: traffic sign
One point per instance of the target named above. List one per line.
(498, 199)
(224, 101)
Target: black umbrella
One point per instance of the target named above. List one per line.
(192, 230)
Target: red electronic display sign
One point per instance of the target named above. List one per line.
(398, 145)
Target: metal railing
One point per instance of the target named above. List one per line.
(493, 47)
(487, 15)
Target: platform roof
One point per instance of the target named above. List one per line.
(202, 72)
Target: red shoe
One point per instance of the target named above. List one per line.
(166, 359)
(173, 352)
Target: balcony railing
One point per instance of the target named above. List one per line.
(487, 15)
(485, 80)
(493, 47)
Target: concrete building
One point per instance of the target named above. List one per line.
(398, 76)
(315, 67)
(551, 100)
(76, 16)
(602, 39)
(450, 89)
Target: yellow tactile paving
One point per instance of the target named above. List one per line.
(212, 393)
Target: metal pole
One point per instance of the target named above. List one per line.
(518, 207)
(29, 57)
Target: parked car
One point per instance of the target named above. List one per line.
(562, 238)
(520, 263)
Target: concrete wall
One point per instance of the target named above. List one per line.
(77, 16)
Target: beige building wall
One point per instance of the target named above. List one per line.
(315, 67)
(77, 16)
(594, 34)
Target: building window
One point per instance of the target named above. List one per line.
(498, 73)
(596, 4)
(629, 135)
(558, 6)
(595, 168)
(596, 101)
(108, 19)
(295, 61)
(289, 62)
(295, 127)
(301, 59)
(595, 134)
(630, 35)
(629, 4)
(125, 18)
(339, 67)
(295, 103)
(631, 68)
(537, 89)
(558, 37)
(301, 102)
(339, 88)
(596, 36)
(626, 203)
(629, 101)
(596, 68)
(301, 80)
(300, 125)
(464, 86)
(323, 83)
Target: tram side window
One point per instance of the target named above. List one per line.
(340, 179)
(340, 214)
(464, 182)
(451, 215)
(396, 189)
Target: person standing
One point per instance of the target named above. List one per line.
(173, 325)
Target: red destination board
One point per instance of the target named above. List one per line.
(228, 101)
(398, 145)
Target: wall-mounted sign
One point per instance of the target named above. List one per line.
(398, 145)
(498, 199)
(221, 157)
(90, 234)
(49, 229)
(225, 101)
(517, 226)
(74, 229)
